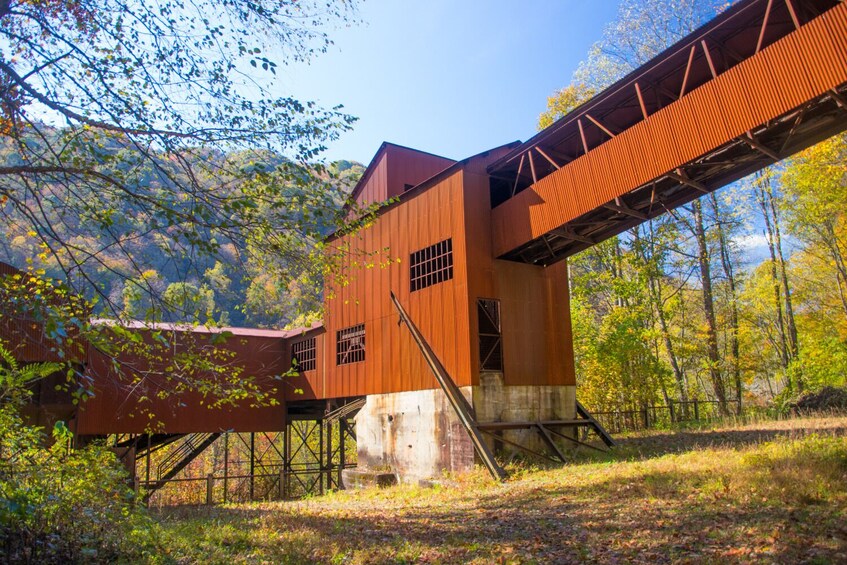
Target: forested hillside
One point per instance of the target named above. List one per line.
(739, 297)
(153, 275)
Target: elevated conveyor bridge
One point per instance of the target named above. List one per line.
(763, 80)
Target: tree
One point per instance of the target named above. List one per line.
(713, 364)
(124, 123)
(563, 102)
(166, 111)
(725, 226)
(641, 30)
(815, 186)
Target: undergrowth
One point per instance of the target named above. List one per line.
(772, 492)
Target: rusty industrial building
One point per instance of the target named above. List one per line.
(471, 257)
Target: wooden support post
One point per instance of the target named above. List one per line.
(793, 13)
(670, 408)
(321, 464)
(147, 458)
(548, 440)
(286, 463)
(764, 26)
(329, 455)
(210, 489)
(281, 493)
(641, 101)
(696, 411)
(518, 177)
(342, 447)
(709, 59)
(226, 465)
(252, 463)
(687, 71)
(582, 135)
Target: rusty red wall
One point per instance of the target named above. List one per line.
(534, 307)
(394, 167)
(121, 402)
(786, 74)
(377, 263)
(410, 168)
(535, 313)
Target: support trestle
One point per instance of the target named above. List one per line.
(305, 458)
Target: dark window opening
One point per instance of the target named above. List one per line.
(431, 265)
(350, 345)
(303, 354)
(490, 339)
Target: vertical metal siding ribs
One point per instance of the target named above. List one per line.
(785, 75)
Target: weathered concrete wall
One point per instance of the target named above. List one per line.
(494, 402)
(417, 435)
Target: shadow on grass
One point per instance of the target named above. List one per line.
(656, 516)
(661, 443)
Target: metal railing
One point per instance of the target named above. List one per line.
(675, 412)
(290, 483)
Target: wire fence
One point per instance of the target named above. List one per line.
(280, 483)
(667, 415)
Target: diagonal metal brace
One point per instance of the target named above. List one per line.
(454, 395)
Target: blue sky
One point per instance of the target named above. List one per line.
(449, 77)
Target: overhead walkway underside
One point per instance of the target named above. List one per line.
(760, 82)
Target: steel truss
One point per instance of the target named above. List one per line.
(306, 458)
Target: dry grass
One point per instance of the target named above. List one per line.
(766, 492)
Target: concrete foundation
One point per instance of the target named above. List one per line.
(361, 478)
(417, 435)
(495, 402)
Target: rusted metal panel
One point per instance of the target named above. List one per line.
(308, 384)
(409, 167)
(535, 323)
(26, 337)
(444, 312)
(741, 98)
(136, 395)
(390, 364)
(393, 170)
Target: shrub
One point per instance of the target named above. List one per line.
(61, 505)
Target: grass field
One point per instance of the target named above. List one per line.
(765, 492)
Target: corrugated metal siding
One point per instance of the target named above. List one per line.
(535, 314)
(375, 189)
(535, 317)
(412, 168)
(120, 406)
(800, 66)
(397, 166)
(308, 385)
(392, 360)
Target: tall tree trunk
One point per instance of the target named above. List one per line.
(729, 272)
(655, 287)
(618, 271)
(793, 344)
(826, 232)
(762, 194)
(709, 307)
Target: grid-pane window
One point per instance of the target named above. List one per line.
(303, 354)
(490, 340)
(431, 265)
(350, 345)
